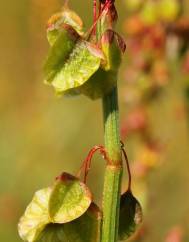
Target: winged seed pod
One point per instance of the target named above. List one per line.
(100, 83)
(112, 46)
(68, 200)
(96, 67)
(57, 21)
(105, 78)
(130, 215)
(71, 61)
(35, 218)
(85, 228)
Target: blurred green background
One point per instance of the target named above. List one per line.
(42, 135)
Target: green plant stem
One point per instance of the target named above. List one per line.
(113, 173)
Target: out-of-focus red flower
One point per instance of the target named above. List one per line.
(154, 39)
(175, 235)
(134, 26)
(135, 122)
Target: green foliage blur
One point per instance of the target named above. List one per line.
(42, 135)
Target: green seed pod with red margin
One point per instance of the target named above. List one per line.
(75, 65)
(86, 228)
(113, 46)
(61, 213)
(71, 62)
(105, 79)
(69, 199)
(56, 23)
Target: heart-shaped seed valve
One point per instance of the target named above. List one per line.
(86, 228)
(130, 216)
(70, 198)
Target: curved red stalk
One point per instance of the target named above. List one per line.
(128, 166)
(87, 162)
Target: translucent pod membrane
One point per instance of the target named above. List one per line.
(63, 212)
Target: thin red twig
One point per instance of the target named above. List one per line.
(101, 12)
(87, 162)
(128, 166)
